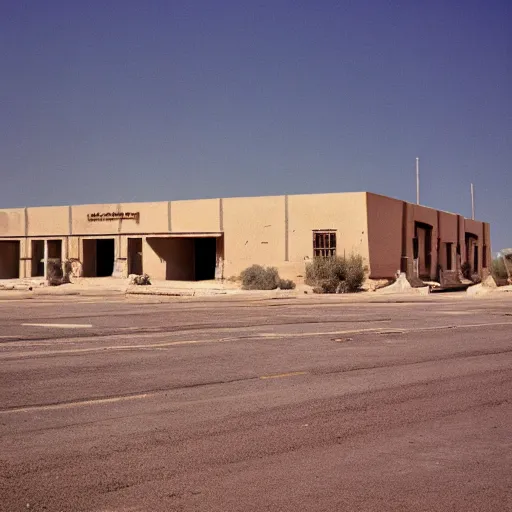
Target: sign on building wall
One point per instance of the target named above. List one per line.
(95, 217)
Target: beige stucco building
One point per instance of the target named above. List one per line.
(217, 238)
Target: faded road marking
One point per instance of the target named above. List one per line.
(61, 326)
(255, 337)
(69, 405)
(282, 375)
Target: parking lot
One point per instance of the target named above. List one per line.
(317, 404)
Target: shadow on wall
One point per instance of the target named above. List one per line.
(186, 259)
(178, 256)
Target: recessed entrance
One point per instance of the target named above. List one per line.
(54, 253)
(205, 252)
(472, 251)
(185, 258)
(9, 259)
(422, 245)
(99, 254)
(135, 256)
(37, 258)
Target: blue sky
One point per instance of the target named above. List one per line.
(139, 101)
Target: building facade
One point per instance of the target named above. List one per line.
(218, 238)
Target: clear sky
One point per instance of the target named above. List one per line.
(132, 100)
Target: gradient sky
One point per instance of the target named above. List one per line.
(131, 100)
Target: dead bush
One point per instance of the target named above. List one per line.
(336, 275)
(257, 277)
(498, 270)
(54, 273)
(286, 284)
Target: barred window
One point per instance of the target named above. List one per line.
(324, 244)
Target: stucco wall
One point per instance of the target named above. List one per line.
(448, 227)
(422, 214)
(474, 227)
(195, 216)
(385, 222)
(448, 239)
(345, 213)
(48, 221)
(12, 222)
(254, 232)
(168, 258)
(276, 230)
(153, 218)
(477, 228)
(82, 226)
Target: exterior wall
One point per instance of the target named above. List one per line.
(448, 234)
(12, 222)
(154, 255)
(345, 213)
(476, 228)
(153, 218)
(254, 232)
(81, 226)
(420, 214)
(276, 230)
(48, 221)
(168, 258)
(385, 233)
(196, 216)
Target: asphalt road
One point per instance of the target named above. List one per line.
(283, 405)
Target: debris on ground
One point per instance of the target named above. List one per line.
(139, 280)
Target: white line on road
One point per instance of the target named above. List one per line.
(94, 401)
(60, 326)
(256, 336)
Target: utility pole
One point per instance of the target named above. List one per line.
(417, 180)
(472, 201)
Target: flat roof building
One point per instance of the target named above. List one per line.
(218, 238)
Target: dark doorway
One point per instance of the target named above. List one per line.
(9, 259)
(135, 256)
(55, 249)
(422, 247)
(472, 251)
(205, 250)
(98, 258)
(37, 258)
(105, 257)
(449, 250)
(54, 254)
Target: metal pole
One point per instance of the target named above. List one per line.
(417, 180)
(472, 202)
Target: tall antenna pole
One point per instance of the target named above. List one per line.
(417, 180)
(472, 201)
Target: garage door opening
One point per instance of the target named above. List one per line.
(9, 259)
(205, 251)
(99, 255)
(37, 258)
(54, 254)
(186, 258)
(135, 256)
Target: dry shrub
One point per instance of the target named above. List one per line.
(257, 277)
(336, 275)
(498, 269)
(55, 275)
